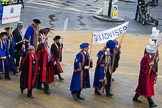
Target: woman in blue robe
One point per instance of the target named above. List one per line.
(80, 78)
(5, 50)
(2, 57)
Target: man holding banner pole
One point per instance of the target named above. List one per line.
(109, 36)
(110, 65)
(99, 81)
(147, 76)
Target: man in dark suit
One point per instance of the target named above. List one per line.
(18, 36)
(140, 2)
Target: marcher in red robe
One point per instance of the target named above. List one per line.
(146, 77)
(44, 57)
(29, 71)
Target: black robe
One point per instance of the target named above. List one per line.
(55, 55)
(28, 74)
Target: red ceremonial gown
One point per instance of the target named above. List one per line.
(42, 55)
(146, 78)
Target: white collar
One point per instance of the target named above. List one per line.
(84, 52)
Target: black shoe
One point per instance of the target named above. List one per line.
(136, 100)
(153, 105)
(48, 92)
(8, 78)
(30, 96)
(113, 79)
(15, 72)
(74, 96)
(81, 98)
(135, 19)
(23, 6)
(109, 94)
(40, 88)
(22, 91)
(61, 79)
(97, 92)
(0, 77)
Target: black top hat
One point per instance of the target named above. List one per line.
(57, 37)
(37, 21)
(8, 28)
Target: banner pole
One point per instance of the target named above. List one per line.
(122, 38)
(91, 44)
(114, 55)
(10, 25)
(153, 60)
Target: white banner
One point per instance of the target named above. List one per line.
(110, 34)
(11, 13)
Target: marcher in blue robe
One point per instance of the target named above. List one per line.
(111, 45)
(11, 44)
(31, 33)
(2, 57)
(80, 78)
(99, 72)
(4, 47)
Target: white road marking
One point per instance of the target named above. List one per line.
(54, 5)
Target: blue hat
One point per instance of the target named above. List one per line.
(84, 45)
(111, 45)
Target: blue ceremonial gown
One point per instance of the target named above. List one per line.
(2, 54)
(80, 81)
(12, 53)
(29, 35)
(99, 71)
(5, 52)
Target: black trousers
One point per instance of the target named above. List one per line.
(45, 84)
(29, 94)
(14, 69)
(6, 66)
(137, 12)
(108, 85)
(18, 54)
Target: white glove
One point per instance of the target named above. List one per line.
(86, 67)
(151, 64)
(106, 53)
(29, 44)
(54, 63)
